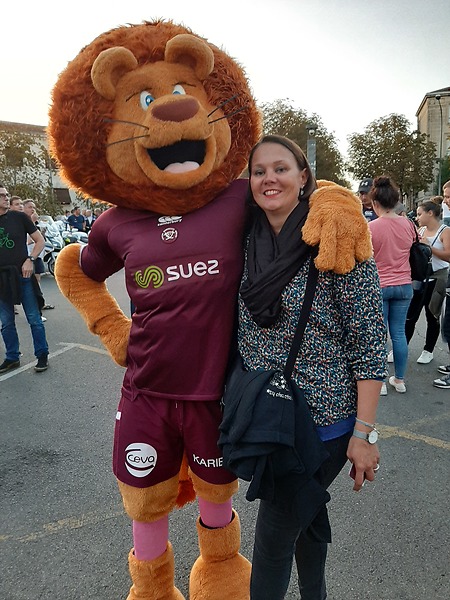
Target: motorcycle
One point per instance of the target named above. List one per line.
(49, 257)
(75, 237)
(54, 243)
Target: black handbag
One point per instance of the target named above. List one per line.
(267, 434)
(420, 260)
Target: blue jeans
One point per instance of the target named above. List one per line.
(31, 309)
(396, 301)
(278, 537)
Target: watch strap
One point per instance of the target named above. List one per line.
(361, 435)
(367, 436)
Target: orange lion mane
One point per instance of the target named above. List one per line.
(79, 127)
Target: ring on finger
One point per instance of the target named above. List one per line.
(375, 469)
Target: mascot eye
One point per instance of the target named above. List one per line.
(146, 99)
(179, 89)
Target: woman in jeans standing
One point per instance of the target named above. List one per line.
(392, 238)
(437, 235)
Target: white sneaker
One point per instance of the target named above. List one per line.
(390, 357)
(43, 319)
(383, 391)
(425, 358)
(399, 387)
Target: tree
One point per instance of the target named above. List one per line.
(388, 146)
(27, 169)
(281, 118)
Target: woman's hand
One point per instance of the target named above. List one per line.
(365, 457)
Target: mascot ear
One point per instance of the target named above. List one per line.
(192, 52)
(109, 67)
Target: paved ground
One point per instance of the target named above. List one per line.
(64, 535)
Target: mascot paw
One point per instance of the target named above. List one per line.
(114, 331)
(220, 571)
(336, 223)
(103, 315)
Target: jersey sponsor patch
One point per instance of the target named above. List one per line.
(155, 276)
(140, 459)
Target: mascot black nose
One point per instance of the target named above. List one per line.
(180, 110)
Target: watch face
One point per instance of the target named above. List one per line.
(373, 437)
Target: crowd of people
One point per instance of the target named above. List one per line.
(403, 300)
(21, 268)
(341, 366)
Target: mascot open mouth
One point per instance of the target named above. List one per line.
(180, 157)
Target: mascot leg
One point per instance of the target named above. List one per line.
(151, 560)
(153, 579)
(220, 572)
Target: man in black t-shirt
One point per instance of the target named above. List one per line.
(18, 284)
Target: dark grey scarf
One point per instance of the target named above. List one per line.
(272, 261)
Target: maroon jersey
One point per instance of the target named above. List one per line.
(182, 275)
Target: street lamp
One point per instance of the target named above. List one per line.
(438, 98)
(311, 146)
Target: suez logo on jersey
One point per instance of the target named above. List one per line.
(156, 276)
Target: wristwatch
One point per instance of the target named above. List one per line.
(371, 437)
(32, 258)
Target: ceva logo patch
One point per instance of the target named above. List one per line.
(140, 459)
(155, 276)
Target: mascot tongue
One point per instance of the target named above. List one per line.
(182, 167)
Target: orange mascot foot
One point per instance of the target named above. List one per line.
(220, 572)
(153, 579)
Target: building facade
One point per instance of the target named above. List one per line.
(433, 119)
(48, 174)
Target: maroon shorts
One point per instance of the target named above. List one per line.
(151, 435)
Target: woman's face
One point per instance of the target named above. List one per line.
(276, 180)
(423, 217)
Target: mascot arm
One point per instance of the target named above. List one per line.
(98, 308)
(335, 222)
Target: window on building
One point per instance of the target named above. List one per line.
(62, 195)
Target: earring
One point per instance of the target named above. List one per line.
(302, 191)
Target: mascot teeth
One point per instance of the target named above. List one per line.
(182, 167)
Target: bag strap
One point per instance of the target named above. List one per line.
(439, 231)
(310, 290)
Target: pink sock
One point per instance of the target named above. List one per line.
(150, 539)
(215, 515)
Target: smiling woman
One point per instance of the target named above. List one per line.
(339, 366)
(277, 172)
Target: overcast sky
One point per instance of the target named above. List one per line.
(349, 61)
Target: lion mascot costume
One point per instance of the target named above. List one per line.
(158, 122)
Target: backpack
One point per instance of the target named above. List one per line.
(420, 260)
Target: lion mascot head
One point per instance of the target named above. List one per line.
(152, 117)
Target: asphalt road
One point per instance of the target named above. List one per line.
(64, 534)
